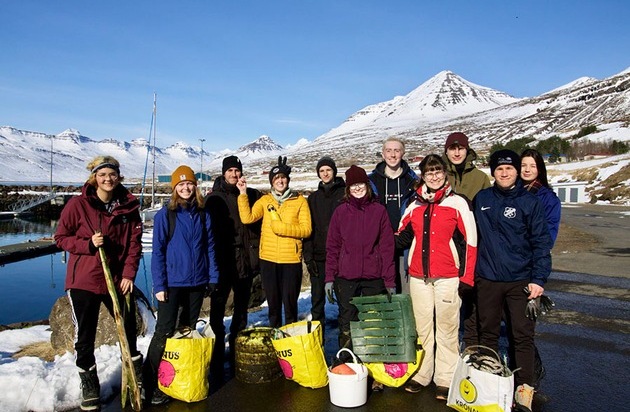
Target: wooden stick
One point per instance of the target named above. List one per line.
(129, 379)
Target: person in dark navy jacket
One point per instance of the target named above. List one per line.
(513, 263)
(534, 175)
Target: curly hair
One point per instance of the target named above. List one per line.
(100, 162)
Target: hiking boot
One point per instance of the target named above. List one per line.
(137, 368)
(413, 386)
(377, 386)
(159, 398)
(523, 397)
(90, 390)
(441, 393)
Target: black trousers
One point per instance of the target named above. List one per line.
(282, 283)
(346, 290)
(492, 297)
(183, 305)
(469, 318)
(85, 308)
(242, 288)
(318, 293)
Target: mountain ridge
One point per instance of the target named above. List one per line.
(423, 117)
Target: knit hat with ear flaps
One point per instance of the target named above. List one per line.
(456, 138)
(181, 174)
(355, 174)
(282, 167)
(230, 162)
(505, 157)
(326, 161)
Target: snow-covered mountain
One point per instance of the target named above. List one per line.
(424, 117)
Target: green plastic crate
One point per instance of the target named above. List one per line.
(386, 331)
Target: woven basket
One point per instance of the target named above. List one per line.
(386, 331)
(255, 357)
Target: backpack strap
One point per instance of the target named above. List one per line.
(172, 221)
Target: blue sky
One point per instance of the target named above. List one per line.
(230, 71)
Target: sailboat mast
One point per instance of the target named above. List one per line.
(153, 182)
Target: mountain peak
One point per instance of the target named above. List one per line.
(263, 146)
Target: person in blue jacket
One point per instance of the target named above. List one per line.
(183, 268)
(534, 175)
(513, 264)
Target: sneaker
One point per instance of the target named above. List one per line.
(159, 398)
(523, 397)
(413, 386)
(377, 386)
(441, 393)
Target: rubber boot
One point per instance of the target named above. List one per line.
(91, 390)
(137, 368)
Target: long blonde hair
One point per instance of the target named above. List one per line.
(98, 163)
(177, 200)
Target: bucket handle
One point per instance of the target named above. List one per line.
(354, 358)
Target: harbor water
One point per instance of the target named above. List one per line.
(31, 287)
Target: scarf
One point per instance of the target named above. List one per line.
(281, 198)
(533, 186)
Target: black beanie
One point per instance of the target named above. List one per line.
(326, 161)
(282, 167)
(505, 157)
(230, 162)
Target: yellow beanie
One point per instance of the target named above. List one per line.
(181, 174)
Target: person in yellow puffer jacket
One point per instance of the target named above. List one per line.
(286, 222)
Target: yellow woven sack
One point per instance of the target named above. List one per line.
(300, 351)
(183, 371)
(395, 374)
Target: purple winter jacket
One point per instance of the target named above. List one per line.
(360, 243)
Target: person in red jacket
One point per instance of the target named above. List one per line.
(359, 250)
(105, 215)
(439, 228)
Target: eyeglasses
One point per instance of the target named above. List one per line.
(434, 175)
(104, 175)
(357, 186)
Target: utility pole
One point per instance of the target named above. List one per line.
(201, 170)
(51, 164)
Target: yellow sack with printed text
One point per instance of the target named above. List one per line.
(300, 351)
(395, 374)
(183, 371)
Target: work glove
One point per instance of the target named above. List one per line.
(390, 293)
(329, 292)
(273, 213)
(311, 266)
(465, 290)
(539, 306)
(210, 289)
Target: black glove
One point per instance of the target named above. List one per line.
(465, 290)
(390, 292)
(539, 306)
(546, 304)
(329, 292)
(210, 288)
(311, 266)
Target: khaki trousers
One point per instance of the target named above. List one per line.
(436, 305)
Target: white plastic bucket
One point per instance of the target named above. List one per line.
(348, 391)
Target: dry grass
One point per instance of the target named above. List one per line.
(42, 350)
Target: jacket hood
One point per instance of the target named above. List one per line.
(471, 156)
(127, 201)
(222, 185)
(380, 168)
(337, 182)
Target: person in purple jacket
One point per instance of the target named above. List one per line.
(359, 250)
